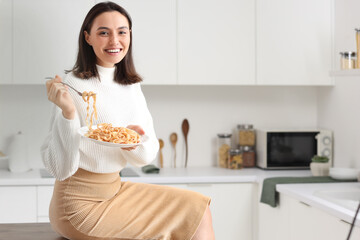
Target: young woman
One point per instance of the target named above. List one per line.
(89, 200)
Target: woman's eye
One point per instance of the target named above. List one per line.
(122, 32)
(103, 33)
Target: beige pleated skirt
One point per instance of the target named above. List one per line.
(100, 206)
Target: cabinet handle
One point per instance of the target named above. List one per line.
(304, 204)
(199, 184)
(341, 220)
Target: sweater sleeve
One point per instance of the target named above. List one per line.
(60, 150)
(145, 153)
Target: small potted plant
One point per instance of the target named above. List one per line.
(320, 166)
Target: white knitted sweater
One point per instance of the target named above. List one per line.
(64, 151)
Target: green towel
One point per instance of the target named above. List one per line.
(271, 197)
(150, 169)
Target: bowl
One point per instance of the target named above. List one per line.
(344, 173)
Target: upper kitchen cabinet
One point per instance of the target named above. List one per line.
(45, 37)
(216, 42)
(154, 39)
(6, 41)
(294, 42)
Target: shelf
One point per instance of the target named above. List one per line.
(350, 72)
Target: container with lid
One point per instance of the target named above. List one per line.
(235, 159)
(347, 60)
(246, 135)
(248, 155)
(357, 30)
(224, 144)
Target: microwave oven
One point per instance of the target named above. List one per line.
(292, 149)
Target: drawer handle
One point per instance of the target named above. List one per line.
(341, 220)
(304, 204)
(199, 185)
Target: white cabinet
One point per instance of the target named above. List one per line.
(154, 39)
(232, 207)
(6, 41)
(295, 220)
(18, 204)
(293, 42)
(216, 42)
(45, 37)
(273, 222)
(44, 195)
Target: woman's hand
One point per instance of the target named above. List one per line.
(137, 129)
(59, 95)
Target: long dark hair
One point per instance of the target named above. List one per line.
(85, 66)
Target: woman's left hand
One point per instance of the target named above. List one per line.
(137, 129)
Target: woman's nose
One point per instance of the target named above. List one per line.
(114, 39)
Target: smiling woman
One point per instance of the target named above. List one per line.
(89, 200)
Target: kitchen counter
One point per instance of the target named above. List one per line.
(315, 196)
(166, 176)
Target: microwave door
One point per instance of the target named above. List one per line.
(291, 150)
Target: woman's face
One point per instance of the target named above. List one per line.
(109, 37)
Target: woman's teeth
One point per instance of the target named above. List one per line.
(113, 50)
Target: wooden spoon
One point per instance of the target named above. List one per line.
(185, 129)
(173, 140)
(161, 143)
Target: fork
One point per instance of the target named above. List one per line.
(68, 86)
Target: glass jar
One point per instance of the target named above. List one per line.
(357, 30)
(347, 60)
(248, 155)
(246, 135)
(224, 144)
(235, 159)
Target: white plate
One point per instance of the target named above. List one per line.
(82, 131)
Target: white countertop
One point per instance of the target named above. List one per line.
(308, 193)
(166, 176)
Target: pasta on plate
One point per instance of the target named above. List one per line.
(105, 132)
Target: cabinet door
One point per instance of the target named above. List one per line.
(231, 207)
(44, 194)
(154, 39)
(294, 42)
(310, 223)
(17, 204)
(273, 223)
(46, 37)
(216, 42)
(6, 41)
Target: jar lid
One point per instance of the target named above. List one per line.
(348, 54)
(224, 135)
(247, 148)
(235, 151)
(244, 126)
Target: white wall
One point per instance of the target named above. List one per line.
(209, 109)
(339, 107)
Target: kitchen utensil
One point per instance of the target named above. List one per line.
(68, 86)
(161, 144)
(173, 140)
(185, 129)
(18, 155)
